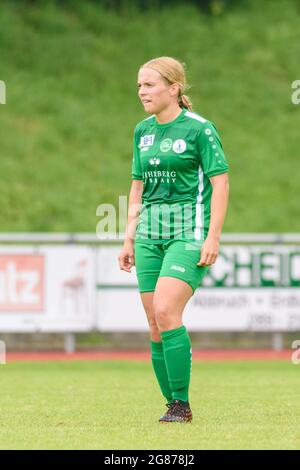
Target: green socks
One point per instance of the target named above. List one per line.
(159, 366)
(178, 359)
(172, 362)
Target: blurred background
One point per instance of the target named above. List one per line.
(70, 71)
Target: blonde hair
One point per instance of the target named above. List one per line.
(172, 71)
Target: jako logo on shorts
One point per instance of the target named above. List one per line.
(177, 268)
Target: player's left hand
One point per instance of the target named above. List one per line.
(209, 251)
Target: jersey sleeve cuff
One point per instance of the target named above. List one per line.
(136, 177)
(217, 172)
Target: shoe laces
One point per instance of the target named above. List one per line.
(170, 407)
(173, 407)
(176, 408)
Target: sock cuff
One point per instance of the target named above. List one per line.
(173, 333)
(156, 346)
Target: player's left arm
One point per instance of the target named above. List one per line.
(218, 209)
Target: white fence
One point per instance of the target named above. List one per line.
(72, 283)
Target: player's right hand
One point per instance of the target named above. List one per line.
(126, 257)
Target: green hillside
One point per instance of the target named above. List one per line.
(70, 73)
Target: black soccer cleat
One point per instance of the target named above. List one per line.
(178, 412)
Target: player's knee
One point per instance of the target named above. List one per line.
(155, 334)
(162, 317)
(154, 331)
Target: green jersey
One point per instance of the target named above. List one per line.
(175, 161)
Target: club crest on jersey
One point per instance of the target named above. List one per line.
(166, 145)
(179, 146)
(147, 140)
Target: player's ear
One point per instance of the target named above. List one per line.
(174, 89)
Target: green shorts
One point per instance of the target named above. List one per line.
(174, 258)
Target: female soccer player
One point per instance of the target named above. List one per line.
(177, 205)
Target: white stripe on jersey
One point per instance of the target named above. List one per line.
(148, 118)
(199, 220)
(195, 116)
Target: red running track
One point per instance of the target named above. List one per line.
(198, 355)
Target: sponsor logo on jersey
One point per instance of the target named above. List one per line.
(147, 140)
(166, 145)
(159, 176)
(178, 268)
(154, 161)
(179, 146)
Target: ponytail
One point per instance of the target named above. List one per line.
(185, 102)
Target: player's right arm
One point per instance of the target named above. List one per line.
(126, 258)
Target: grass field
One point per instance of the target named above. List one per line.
(116, 405)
